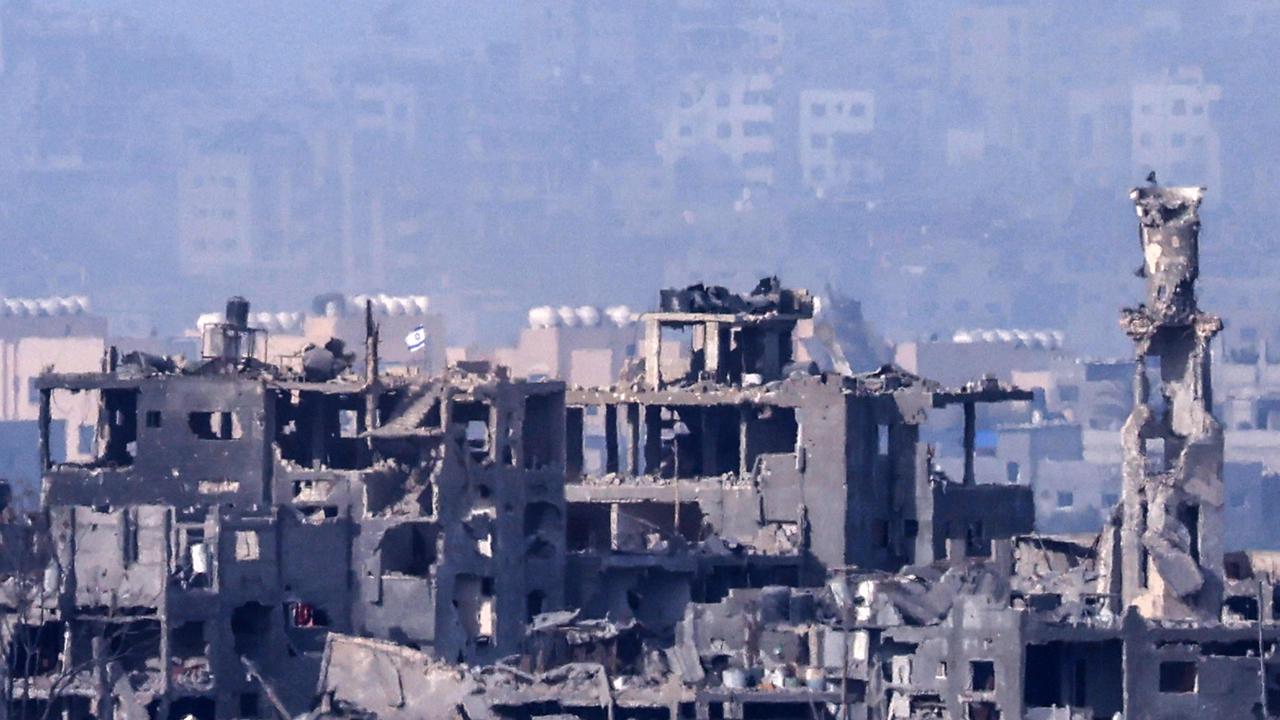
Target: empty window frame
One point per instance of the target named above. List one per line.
(1178, 676)
(409, 549)
(539, 431)
(474, 418)
(215, 425)
(982, 675)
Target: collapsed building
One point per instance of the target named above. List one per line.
(725, 531)
(737, 467)
(237, 512)
(842, 607)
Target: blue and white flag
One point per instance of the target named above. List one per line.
(417, 339)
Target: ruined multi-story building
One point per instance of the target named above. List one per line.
(236, 512)
(1148, 618)
(726, 464)
(725, 531)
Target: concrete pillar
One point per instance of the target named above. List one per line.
(44, 422)
(1169, 226)
(319, 433)
(652, 353)
(652, 439)
(770, 355)
(1002, 555)
(970, 435)
(711, 350)
(611, 438)
(633, 438)
(372, 383)
(574, 433)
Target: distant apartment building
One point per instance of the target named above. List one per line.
(550, 38)
(732, 115)
(1243, 17)
(1098, 136)
(925, 283)
(599, 43)
(1246, 374)
(987, 45)
(251, 199)
(387, 108)
(68, 108)
(835, 125)
(215, 213)
(1092, 393)
(989, 64)
(714, 35)
(1172, 130)
(643, 195)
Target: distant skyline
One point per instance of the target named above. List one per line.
(952, 165)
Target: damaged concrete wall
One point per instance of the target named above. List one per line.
(501, 504)
(119, 558)
(174, 439)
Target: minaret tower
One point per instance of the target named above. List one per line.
(1171, 529)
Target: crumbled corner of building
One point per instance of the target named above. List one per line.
(725, 531)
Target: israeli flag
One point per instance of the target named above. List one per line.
(417, 339)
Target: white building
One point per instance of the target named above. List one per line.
(734, 114)
(1172, 132)
(834, 126)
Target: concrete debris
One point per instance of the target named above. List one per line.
(768, 296)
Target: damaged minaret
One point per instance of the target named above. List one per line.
(1169, 537)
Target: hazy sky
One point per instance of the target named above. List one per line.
(270, 41)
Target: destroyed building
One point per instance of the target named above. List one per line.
(237, 512)
(736, 467)
(724, 531)
(834, 614)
